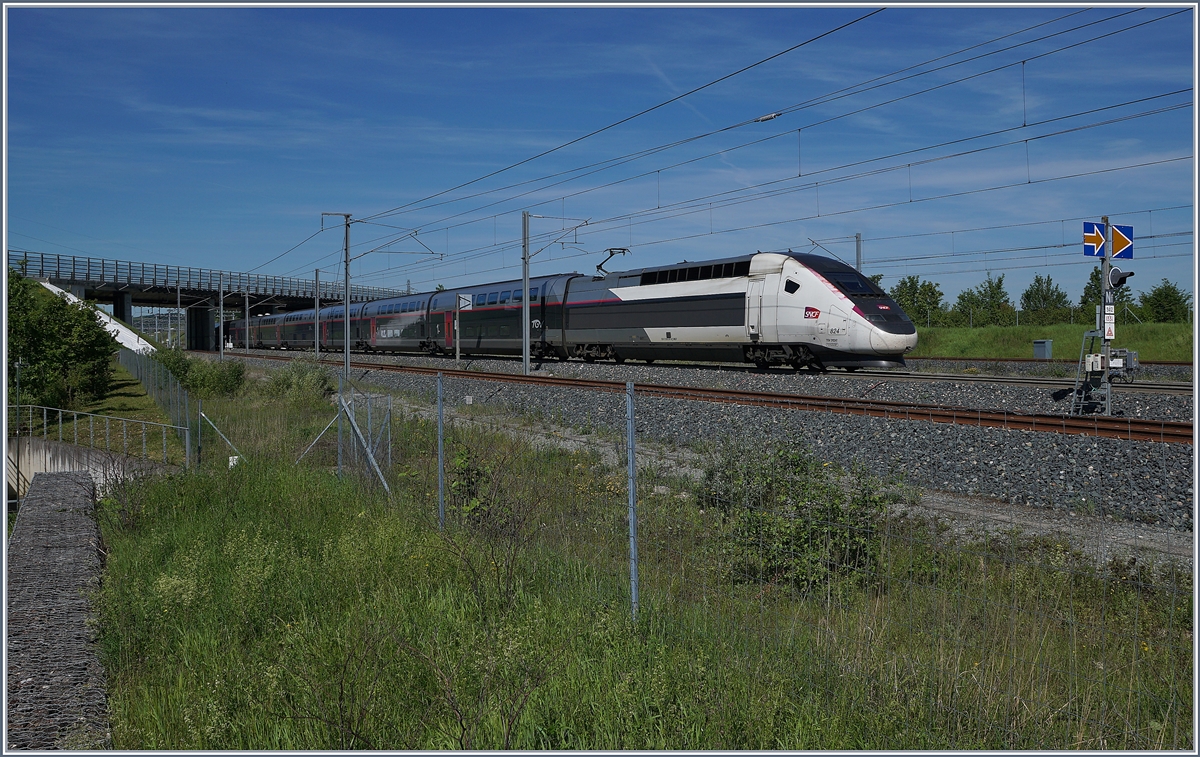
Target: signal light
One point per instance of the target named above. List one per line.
(1116, 278)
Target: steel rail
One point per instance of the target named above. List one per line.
(1068, 362)
(1044, 382)
(1131, 429)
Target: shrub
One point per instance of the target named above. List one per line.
(299, 382)
(204, 378)
(792, 520)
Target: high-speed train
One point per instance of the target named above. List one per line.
(767, 308)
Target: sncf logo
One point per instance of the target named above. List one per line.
(812, 313)
(884, 307)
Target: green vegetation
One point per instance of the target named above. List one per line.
(64, 351)
(274, 606)
(203, 378)
(1152, 341)
(1043, 303)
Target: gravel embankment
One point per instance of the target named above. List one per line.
(1141, 482)
(981, 396)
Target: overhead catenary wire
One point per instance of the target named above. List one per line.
(879, 206)
(639, 114)
(821, 99)
(704, 202)
(826, 99)
(857, 89)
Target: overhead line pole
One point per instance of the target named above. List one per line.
(317, 313)
(525, 256)
(525, 292)
(345, 295)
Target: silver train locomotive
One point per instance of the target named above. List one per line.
(767, 308)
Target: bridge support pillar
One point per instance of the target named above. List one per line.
(200, 325)
(123, 307)
(79, 290)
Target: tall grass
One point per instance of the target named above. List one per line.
(1152, 341)
(274, 606)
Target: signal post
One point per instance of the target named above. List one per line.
(1106, 241)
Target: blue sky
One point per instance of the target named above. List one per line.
(217, 136)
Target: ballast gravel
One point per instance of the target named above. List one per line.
(1142, 482)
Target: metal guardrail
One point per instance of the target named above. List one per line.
(49, 422)
(90, 270)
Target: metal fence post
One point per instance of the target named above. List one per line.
(632, 486)
(340, 411)
(441, 460)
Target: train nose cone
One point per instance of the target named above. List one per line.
(892, 344)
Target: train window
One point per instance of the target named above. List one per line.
(504, 297)
(516, 295)
(533, 293)
(705, 272)
(493, 298)
(693, 274)
(742, 268)
(504, 330)
(791, 287)
(480, 299)
(412, 306)
(649, 277)
(673, 276)
(851, 283)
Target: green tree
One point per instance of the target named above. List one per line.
(1044, 302)
(987, 304)
(877, 279)
(65, 352)
(1166, 303)
(1043, 294)
(922, 300)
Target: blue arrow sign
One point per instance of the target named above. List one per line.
(1094, 235)
(1122, 246)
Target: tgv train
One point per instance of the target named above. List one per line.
(765, 308)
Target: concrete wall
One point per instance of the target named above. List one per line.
(39, 455)
(200, 328)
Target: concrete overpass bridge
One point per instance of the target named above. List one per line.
(200, 291)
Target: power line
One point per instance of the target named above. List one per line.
(880, 206)
(635, 115)
(835, 240)
(855, 89)
(824, 99)
(628, 157)
(732, 198)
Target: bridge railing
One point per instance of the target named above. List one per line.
(89, 270)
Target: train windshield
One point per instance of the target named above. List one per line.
(853, 284)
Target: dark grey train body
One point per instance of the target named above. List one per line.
(766, 308)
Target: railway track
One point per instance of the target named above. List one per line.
(1132, 429)
(1042, 382)
(1042, 361)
